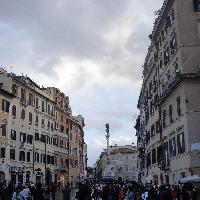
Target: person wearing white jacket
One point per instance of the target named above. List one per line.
(25, 193)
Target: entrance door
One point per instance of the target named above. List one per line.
(13, 178)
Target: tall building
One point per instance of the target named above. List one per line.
(168, 124)
(36, 132)
(122, 163)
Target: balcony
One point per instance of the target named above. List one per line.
(174, 78)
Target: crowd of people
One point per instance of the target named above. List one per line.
(31, 191)
(134, 191)
(103, 191)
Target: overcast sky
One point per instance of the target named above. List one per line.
(92, 50)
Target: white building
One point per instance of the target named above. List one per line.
(122, 163)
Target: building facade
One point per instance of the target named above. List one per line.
(35, 142)
(168, 124)
(122, 163)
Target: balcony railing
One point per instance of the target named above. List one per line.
(170, 82)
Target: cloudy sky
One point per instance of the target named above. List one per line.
(91, 49)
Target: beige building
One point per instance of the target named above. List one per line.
(167, 128)
(35, 141)
(122, 163)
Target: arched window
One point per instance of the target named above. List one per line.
(14, 111)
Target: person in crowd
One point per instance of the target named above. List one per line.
(121, 195)
(130, 195)
(174, 192)
(53, 190)
(25, 193)
(39, 192)
(66, 192)
(10, 189)
(104, 193)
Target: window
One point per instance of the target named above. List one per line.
(147, 137)
(37, 137)
(48, 159)
(13, 134)
(30, 118)
(62, 161)
(161, 64)
(48, 125)
(164, 118)
(48, 139)
(62, 128)
(51, 126)
(3, 152)
(178, 103)
(5, 106)
(30, 99)
(41, 158)
(153, 130)
(3, 130)
(43, 138)
(14, 89)
(170, 114)
(196, 5)
(36, 120)
(55, 141)
(42, 123)
(14, 111)
(37, 103)
(21, 156)
(159, 154)
(166, 154)
(12, 154)
(52, 160)
(148, 159)
(23, 95)
(29, 139)
(172, 147)
(168, 21)
(28, 157)
(49, 110)
(42, 106)
(37, 157)
(151, 108)
(22, 137)
(52, 111)
(181, 143)
(44, 158)
(173, 45)
(61, 143)
(153, 156)
(157, 127)
(23, 114)
(166, 56)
